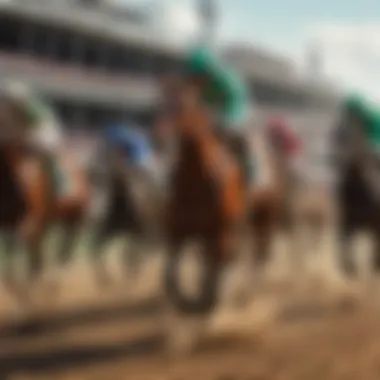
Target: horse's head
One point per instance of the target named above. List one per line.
(184, 128)
(193, 122)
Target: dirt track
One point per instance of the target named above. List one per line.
(298, 332)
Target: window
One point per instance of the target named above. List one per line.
(42, 42)
(10, 34)
(117, 59)
(64, 47)
(90, 54)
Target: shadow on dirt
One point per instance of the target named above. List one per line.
(73, 357)
(311, 311)
(37, 325)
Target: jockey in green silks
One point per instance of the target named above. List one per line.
(225, 94)
(357, 111)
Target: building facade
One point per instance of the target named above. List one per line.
(98, 63)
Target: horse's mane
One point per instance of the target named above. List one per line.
(197, 140)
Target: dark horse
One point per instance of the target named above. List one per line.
(126, 208)
(358, 193)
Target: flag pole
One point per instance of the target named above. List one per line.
(207, 11)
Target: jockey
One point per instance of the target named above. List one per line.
(358, 112)
(373, 130)
(38, 120)
(283, 136)
(224, 93)
(137, 149)
(132, 143)
(287, 141)
(354, 110)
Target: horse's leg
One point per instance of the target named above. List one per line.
(132, 255)
(376, 253)
(34, 266)
(263, 234)
(263, 224)
(70, 233)
(316, 222)
(35, 259)
(10, 252)
(204, 302)
(345, 252)
(68, 236)
(262, 243)
(233, 249)
(101, 237)
(295, 245)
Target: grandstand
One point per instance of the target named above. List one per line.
(98, 64)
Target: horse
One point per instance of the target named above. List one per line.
(205, 203)
(127, 207)
(267, 211)
(32, 207)
(287, 203)
(357, 193)
(71, 204)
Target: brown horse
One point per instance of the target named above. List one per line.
(25, 189)
(287, 203)
(268, 199)
(206, 204)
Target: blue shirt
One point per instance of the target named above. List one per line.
(133, 142)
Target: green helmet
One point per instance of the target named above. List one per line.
(201, 61)
(371, 126)
(355, 104)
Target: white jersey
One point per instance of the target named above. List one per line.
(45, 129)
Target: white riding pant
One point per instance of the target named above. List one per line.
(48, 136)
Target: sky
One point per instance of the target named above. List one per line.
(347, 32)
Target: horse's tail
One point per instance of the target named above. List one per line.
(207, 298)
